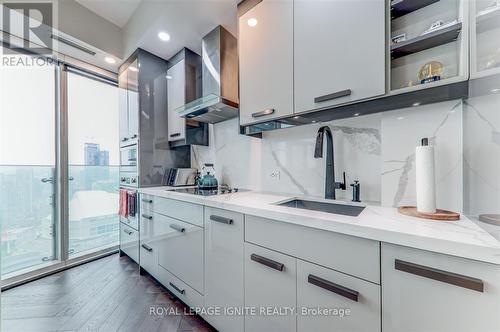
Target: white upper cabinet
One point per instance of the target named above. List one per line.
(176, 98)
(266, 61)
(339, 52)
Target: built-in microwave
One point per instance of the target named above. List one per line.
(128, 158)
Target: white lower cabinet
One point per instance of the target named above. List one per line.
(270, 286)
(328, 300)
(182, 290)
(431, 292)
(224, 268)
(152, 231)
(180, 250)
(129, 241)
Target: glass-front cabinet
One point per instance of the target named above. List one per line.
(485, 37)
(428, 43)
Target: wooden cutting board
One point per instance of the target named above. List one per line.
(439, 215)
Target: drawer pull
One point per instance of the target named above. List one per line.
(334, 95)
(149, 201)
(148, 248)
(182, 291)
(178, 228)
(440, 275)
(267, 262)
(128, 232)
(332, 287)
(268, 111)
(221, 219)
(175, 135)
(147, 216)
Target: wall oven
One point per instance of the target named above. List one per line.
(128, 156)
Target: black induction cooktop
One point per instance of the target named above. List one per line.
(207, 192)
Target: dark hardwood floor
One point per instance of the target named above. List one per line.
(104, 295)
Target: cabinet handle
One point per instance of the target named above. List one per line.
(221, 219)
(175, 134)
(149, 201)
(334, 95)
(148, 248)
(182, 291)
(332, 287)
(440, 275)
(268, 111)
(124, 139)
(177, 228)
(128, 232)
(147, 216)
(267, 262)
(133, 136)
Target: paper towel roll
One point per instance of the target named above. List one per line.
(426, 188)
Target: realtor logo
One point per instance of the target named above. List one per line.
(30, 24)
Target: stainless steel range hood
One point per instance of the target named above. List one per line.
(219, 80)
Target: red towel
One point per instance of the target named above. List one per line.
(123, 209)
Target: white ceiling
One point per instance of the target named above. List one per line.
(117, 12)
(187, 22)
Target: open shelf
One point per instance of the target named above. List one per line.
(424, 42)
(489, 20)
(402, 7)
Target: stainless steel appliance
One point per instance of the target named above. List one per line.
(177, 177)
(219, 67)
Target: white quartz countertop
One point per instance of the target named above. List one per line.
(462, 238)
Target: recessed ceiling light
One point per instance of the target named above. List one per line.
(132, 68)
(163, 36)
(495, 90)
(110, 60)
(169, 77)
(356, 114)
(416, 104)
(252, 22)
(296, 117)
(313, 121)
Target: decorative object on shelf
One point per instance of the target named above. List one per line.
(442, 215)
(430, 72)
(425, 179)
(438, 37)
(438, 25)
(399, 38)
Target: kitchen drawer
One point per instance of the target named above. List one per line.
(180, 250)
(148, 249)
(348, 254)
(146, 203)
(434, 292)
(187, 294)
(319, 287)
(270, 282)
(129, 241)
(224, 267)
(188, 212)
(131, 221)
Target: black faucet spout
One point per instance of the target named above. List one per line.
(330, 184)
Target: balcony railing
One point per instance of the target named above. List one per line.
(27, 213)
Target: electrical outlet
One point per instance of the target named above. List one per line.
(275, 175)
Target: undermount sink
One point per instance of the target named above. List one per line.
(347, 210)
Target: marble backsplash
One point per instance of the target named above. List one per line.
(378, 150)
